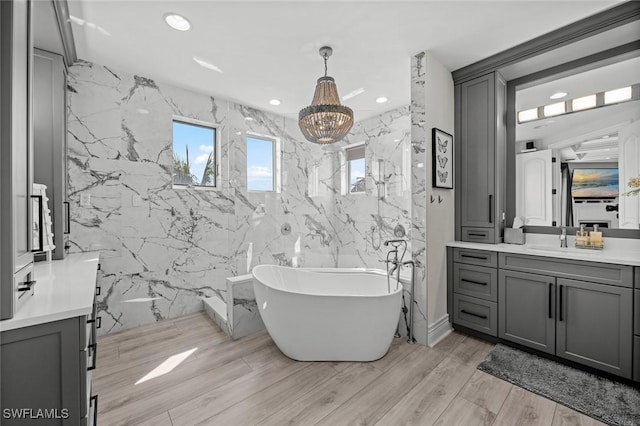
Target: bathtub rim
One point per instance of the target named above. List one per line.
(404, 279)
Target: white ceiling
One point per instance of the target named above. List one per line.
(269, 49)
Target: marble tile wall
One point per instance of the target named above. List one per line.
(364, 221)
(163, 249)
(419, 157)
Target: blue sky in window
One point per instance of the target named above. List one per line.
(259, 164)
(356, 170)
(200, 141)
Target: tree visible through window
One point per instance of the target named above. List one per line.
(260, 164)
(194, 154)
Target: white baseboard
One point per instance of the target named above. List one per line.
(438, 331)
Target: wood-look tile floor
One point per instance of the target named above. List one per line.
(186, 371)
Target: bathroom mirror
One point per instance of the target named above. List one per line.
(577, 145)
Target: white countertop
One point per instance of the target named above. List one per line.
(615, 251)
(64, 289)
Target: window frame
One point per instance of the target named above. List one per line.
(216, 151)
(275, 160)
(346, 168)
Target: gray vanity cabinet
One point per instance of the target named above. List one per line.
(473, 291)
(480, 158)
(580, 311)
(46, 357)
(16, 153)
(594, 325)
(527, 310)
(49, 367)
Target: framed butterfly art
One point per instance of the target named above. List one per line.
(442, 159)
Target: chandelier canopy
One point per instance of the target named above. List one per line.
(325, 121)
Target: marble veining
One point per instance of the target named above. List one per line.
(163, 249)
(419, 138)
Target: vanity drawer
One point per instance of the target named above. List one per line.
(478, 235)
(475, 257)
(477, 314)
(475, 281)
(605, 273)
(636, 309)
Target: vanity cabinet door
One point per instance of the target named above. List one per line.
(595, 325)
(477, 151)
(526, 309)
(40, 369)
(480, 158)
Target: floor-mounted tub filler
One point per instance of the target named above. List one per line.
(328, 314)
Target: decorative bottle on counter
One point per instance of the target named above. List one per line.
(582, 239)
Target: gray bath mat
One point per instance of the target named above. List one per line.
(603, 399)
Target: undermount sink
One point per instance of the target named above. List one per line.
(548, 249)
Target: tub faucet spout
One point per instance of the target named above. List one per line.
(395, 265)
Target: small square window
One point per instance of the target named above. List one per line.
(194, 154)
(260, 164)
(356, 168)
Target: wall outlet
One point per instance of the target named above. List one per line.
(85, 200)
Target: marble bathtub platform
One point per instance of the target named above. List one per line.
(238, 315)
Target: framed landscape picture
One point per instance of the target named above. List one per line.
(442, 159)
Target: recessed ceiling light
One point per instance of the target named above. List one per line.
(249, 118)
(381, 100)
(558, 95)
(275, 102)
(206, 64)
(177, 22)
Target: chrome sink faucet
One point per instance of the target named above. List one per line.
(563, 237)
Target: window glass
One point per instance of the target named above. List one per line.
(194, 154)
(260, 164)
(356, 169)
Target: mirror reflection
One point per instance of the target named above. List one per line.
(578, 148)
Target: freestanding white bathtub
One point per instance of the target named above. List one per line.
(328, 314)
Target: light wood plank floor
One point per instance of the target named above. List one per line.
(187, 372)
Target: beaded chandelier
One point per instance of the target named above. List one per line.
(325, 121)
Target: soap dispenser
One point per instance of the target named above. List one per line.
(582, 239)
(595, 237)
